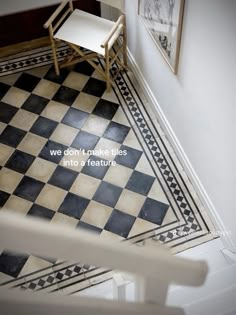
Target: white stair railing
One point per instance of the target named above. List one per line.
(155, 268)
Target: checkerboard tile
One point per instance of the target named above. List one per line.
(95, 125)
(74, 159)
(5, 153)
(96, 214)
(35, 104)
(81, 184)
(76, 80)
(85, 102)
(26, 82)
(46, 89)
(18, 205)
(41, 212)
(46, 123)
(75, 118)
(2, 126)
(15, 97)
(9, 180)
(7, 112)
(74, 205)
(50, 196)
(64, 134)
(43, 127)
(55, 111)
(12, 136)
(108, 149)
(29, 188)
(32, 144)
(85, 141)
(20, 161)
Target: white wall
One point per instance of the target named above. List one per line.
(199, 103)
(13, 6)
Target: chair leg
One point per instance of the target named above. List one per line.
(107, 69)
(54, 50)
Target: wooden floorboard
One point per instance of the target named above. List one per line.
(24, 46)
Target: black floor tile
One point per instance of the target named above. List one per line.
(120, 223)
(116, 132)
(11, 263)
(140, 183)
(7, 112)
(84, 68)
(65, 95)
(105, 109)
(107, 194)
(131, 159)
(12, 136)
(75, 118)
(153, 211)
(44, 127)
(35, 104)
(52, 76)
(3, 89)
(3, 198)
(97, 171)
(27, 82)
(41, 212)
(74, 206)
(88, 227)
(63, 177)
(20, 161)
(85, 140)
(29, 188)
(95, 87)
(53, 151)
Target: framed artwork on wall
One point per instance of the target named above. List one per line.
(163, 20)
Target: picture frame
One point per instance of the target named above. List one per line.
(164, 19)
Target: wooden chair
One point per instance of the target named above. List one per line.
(89, 36)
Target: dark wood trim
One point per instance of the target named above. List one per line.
(24, 46)
(28, 25)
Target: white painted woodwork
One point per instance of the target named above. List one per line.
(156, 269)
(46, 239)
(28, 303)
(119, 287)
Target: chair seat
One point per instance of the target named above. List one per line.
(85, 30)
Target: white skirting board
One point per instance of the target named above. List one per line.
(155, 106)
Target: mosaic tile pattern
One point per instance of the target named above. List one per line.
(145, 195)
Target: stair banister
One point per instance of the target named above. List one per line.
(27, 303)
(155, 267)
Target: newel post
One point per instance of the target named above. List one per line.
(150, 290)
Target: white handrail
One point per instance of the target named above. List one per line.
(26, 303)
(24, 234)
(155, 267)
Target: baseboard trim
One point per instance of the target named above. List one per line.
(24, 46)
(205, 199)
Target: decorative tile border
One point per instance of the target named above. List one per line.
(36, 58)
(188, 213)
(188, 225)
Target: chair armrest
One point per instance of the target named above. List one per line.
(119, 24)
(55, 13)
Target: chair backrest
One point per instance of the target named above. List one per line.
(59, 16)
(119, 4)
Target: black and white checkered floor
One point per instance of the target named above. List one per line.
(62, 145)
